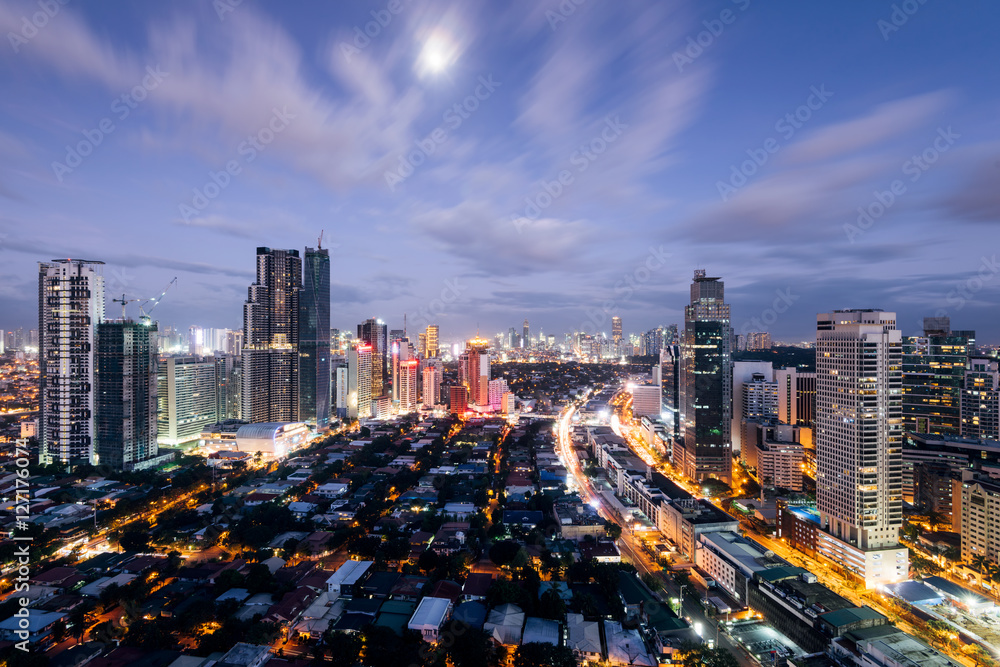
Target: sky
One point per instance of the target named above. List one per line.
(474, 163)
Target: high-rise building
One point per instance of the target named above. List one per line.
(525, 338)
(616, 336)
(980, 517)
(271, 339)
(796, 396)
(3, 341)
(125, 393)
(933, 375)
(340, 387)
(70, 306)
(408, 385)
(422, 344)
(497, 388)
(670, 378)
(859, 433)
(401, 352)
(647, 400)
(228, 386)
(187, 398)
(474, 368)
(374, 333)
(981, 399)
(458, 399)
(705, 385)
(757, 341)
(359, 382)
(745, 372)
(431, 386)
(432, 333)
(314, 340)
(234, 343)
(652, 342)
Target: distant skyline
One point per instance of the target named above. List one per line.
(483, 164)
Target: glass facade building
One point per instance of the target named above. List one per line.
(314, 340)
(933, 377)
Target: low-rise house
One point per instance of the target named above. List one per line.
(430, 616)
(504, 624)
(344, 582)
(476, 585)
(540, 631)
(584, 638)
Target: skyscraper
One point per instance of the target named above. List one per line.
(359, 382)
(670, 379)
(981, 399)
(431, 334)
(796, 396)
(859, 433)
(933, 375)
(70, 306)
(431, 386)
(474, 368)
(271, 338)
(525, 338)
(374, 333)
(314, 340)
(616, 336)
(125, 393)
(705, 384)
(187, 395)
(228, 386)
(408, 385)
(744, 373)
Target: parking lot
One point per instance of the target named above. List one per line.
(764, 642)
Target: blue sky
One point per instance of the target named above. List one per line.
(599, 153)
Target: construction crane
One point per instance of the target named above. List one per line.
(144, 315)
(319, 241)
(123, 301)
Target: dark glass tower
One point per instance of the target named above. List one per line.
(125, 393)
(375, 333)
(314, 340)
(271, 339)
(705, 383)
(933, 377)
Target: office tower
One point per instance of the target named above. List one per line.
(340, 387)
(981, 399)
(228, 386)
(431, 386)
(431, 333)
(3, 341)
(496, 390)
(10, 343)
(757, 341)
(859, 434)
(359, 382)
(616, 336)
(19, 338)
(669, 379)
(70, 306)
(745, 372)
(796, 396)
(408, 385)
(32, 340)
(652, 342)
(670, 336)
(373, 332)
(422, 344)
(980, 518)
(705, 385)
(314, 339)
(933, 375)
(271, 339)
(458, 399)
(187, 394)
(401, 351)
(525, 338)
(647, 400)
(125, 393)
(760, 398)
(234, 342)
(195, 340)
(474, 370)
(552, 341)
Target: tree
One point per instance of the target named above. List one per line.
(613, 530)
(699, 655)
(551, 606)
(472, 647)
(345, 648)
(502, 553)
(536, 654)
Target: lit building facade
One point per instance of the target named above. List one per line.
(70, 306)
(859, 434)
(359, 382)
(408, 386)
(981, 399)
(314, 340)
(933, 376)
(375, 333)
(705, 384)
(187, 398)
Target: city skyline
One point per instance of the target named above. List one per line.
(659, 180)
